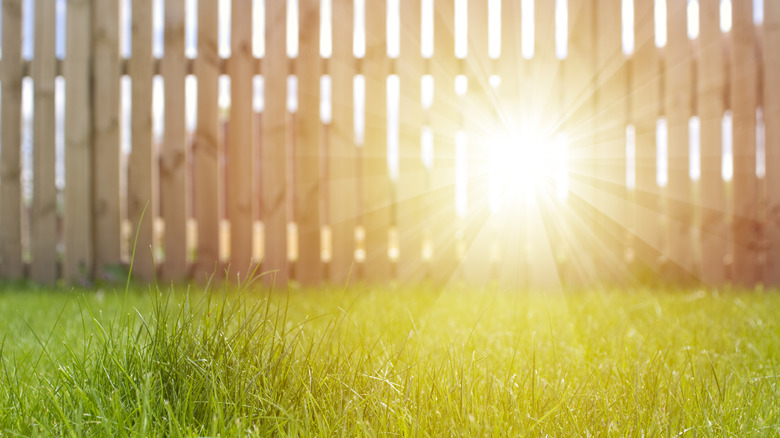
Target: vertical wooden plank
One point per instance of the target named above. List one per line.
(342, 158)
(78, 144)
(173, 152)
(445, 122)
(579, 107)
(10, 158)
(677, 100)
(711, 80)
(106, 164)
(274, 149)
(206, 150)
(307, 146)
(376, 178)
(771, 36)
(509, 224)
(141, 172)
(611, 87)
(239, 140)
(479, 117)
(43, 226)
(743, 90)
(645, 109)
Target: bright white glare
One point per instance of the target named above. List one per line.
(725, 15)
(158, 28)
(359, 105)
(660, 23)
(562, 165)
(426, 138)
(494, 81)
(158, 107)
(292, 28)
(760, 143)
(662, 152)
(693, 19)
(258, 90)
(125, 120)
(426, 89)
(426, 46)
(494, 179)
(758, 12)
(190, 102)
(630, 157)
(494, 29)
(461, 85)
(627, 16)
(561, 28)
(359, 41)
(694, 149)
(223, 32)
(461, 173)
(520, 162)
(191, 28)
(325, 99)
(393, 102)
(125, 27)
(727, 165)
(393, 29)
(461, 29)
(527, 28)
(223, 92)
(326, 28)
(292, 94)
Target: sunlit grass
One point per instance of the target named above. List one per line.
(389, 361)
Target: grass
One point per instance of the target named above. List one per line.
(234, 360)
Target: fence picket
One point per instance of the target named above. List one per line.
(771, 40)
(78, 147)
(174, 154)
(342, 164)
(43, 215)
(141, 171)
(743, 90)
(10, 156)
(376, 178)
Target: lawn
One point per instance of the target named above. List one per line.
(359, 361)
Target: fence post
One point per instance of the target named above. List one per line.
(10, 159)
(43, 215)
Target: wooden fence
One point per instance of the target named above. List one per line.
(665, 144)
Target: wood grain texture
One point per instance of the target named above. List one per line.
(107, 209)
(43, 216)
(743, 91)
(207, 184)
(771, 81)
(678, 85)
(645, 110)
(376, 182)
(142, 165)
(239, 141)
(342, 157)
(174, 156)
(10, 157)
(78, 144)
(274, 145)
(306, 187)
